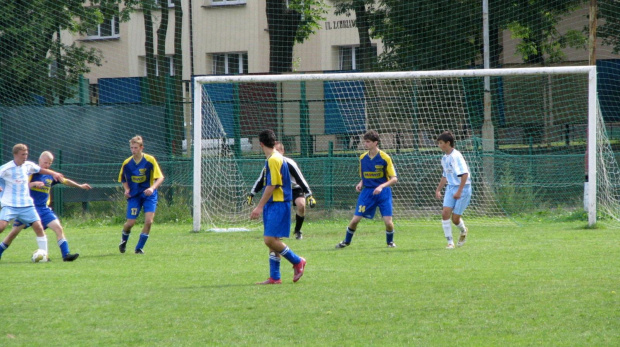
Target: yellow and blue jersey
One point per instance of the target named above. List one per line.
(376, 170)
(277, 174)
(139, 175)
(41, 196)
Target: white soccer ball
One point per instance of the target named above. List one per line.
(39, 256)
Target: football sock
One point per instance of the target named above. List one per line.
(461, 225)
(125, 236)
(299, 221)
(3, 246)
(447, 230)
(290, 255)
(42, 242)
(349, 236)
(389, 236)
(274, 266)
(64, 247)
(142, 241)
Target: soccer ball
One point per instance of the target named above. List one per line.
(39, 256)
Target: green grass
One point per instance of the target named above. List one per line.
(538, 284)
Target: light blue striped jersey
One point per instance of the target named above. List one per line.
(454, 166)
(16, 190)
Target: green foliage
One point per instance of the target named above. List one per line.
(312, 13)
(410, 31)
(174, 206)
(541, 284)
(518, 196)
(30, 42)
(609, 27)
(536, 25)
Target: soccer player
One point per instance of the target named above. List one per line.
(377, 174)
(140, 176)
(275, 206)
(16, 201)
(458, 192)
(40, 186)
(301, 190)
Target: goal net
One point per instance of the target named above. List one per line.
(527, 147)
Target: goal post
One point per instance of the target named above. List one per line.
(410, 108)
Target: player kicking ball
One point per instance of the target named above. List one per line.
(40, 187)
(458, 192)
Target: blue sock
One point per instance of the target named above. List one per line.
(125, 236)
(290, 256)
(142, 241)
(389, 236)
(64, 247)
(3, 246)
(274, 266)
(349, 236)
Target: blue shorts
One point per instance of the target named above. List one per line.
(45, 213)
(367, 203)
(136, 203)
(26, 214)
(277, 219)
(457, 206)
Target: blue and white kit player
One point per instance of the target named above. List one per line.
(458, 191)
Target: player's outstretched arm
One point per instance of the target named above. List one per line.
(57, 175)
(72, 183)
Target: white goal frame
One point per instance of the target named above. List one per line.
(592, 111)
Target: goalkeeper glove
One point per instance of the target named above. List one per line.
(249, 199)
(310, 201)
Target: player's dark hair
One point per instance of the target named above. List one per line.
(372, 136)
(446, 136)
(267, 138)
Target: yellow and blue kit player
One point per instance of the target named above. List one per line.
(140, 176)
(275, 207)
(377, 174)
(40, 187)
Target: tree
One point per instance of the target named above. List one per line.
(609, 31)
(428, 34)
(363, 10)
(290, 21)
(542, 44)
(160, 88)
(535, 23)
(30, 42)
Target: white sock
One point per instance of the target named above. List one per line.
(42, 242)
(447, 230)
(461, 225)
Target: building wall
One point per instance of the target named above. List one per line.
(243, 28)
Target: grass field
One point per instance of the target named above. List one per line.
(546, 284)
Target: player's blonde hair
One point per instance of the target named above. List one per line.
(47, 154)
(137, 140)
(19, 147)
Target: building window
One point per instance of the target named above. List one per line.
(108, 29)
(349, 57)
(226, 2)
(170, 3)
(53, 69)
(167, 60)
(230, 63)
